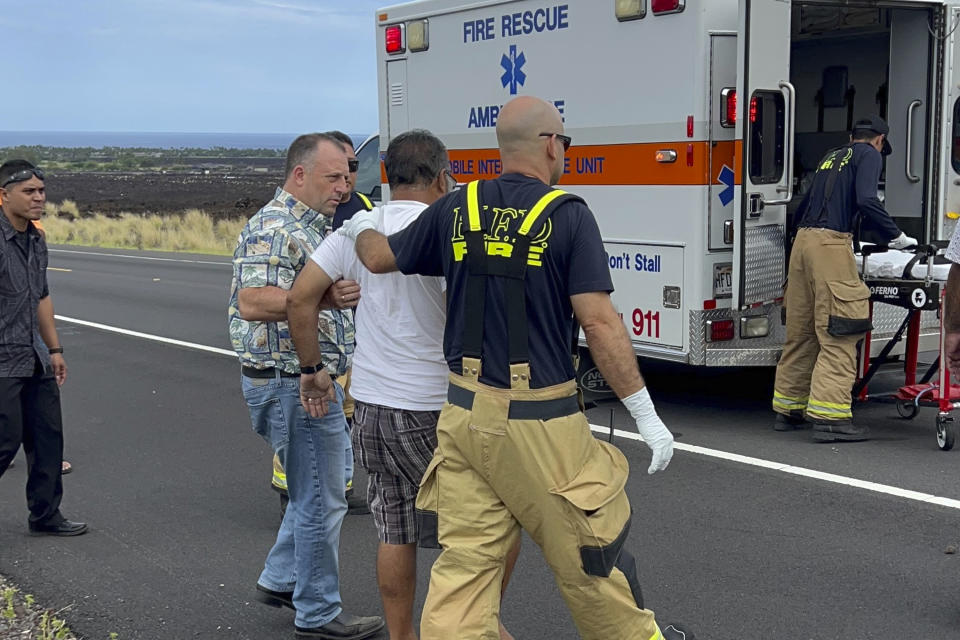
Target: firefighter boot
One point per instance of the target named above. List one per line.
(839, 431)
(790, 422)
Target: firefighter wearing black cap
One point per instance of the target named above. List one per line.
(521, 259)
(827, 304)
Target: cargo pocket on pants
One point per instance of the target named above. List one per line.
(428, 499)
(849, 309)
(600, 508)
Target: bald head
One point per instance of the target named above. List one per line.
(523, 148)
(522, 120)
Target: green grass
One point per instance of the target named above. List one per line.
(193, 231)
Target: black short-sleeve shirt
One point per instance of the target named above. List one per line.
(346, 210)
(573, 262)
(23, 283)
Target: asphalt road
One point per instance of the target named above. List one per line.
(745, 536)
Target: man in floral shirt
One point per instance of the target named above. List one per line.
(302, 569)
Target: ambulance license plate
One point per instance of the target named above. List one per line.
(723, 280)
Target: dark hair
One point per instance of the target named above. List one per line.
(860, 135)
(302, 149)
(415, 158)
(11, 167)
(342, 137)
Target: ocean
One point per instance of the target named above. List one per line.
(152, 139)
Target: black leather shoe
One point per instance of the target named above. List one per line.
(62, 528)
(274, 598)
(344, 627)
(356, 504)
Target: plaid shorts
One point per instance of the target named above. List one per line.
(394, 446)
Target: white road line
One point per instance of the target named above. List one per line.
(122, 255)
(147, 336)
(628, 435)
(58, 269)
(797, 471)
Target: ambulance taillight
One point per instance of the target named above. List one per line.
(754, 106)
(719, 330)
(667, 6)
(728, 107)
(394, 39)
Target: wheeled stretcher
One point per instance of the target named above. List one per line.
(913, 281)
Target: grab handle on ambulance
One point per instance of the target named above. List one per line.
(787, 146)
(908, 163)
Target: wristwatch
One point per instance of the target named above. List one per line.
(309, 371)
(55, 350)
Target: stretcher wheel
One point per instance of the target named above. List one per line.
(946, 432)
(907, 409)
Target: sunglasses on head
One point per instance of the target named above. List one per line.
(23, 174)
(353, 165)
(564, 140)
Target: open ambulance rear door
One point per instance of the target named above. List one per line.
(765, 125)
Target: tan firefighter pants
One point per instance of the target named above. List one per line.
(827, 313)
(493, 474)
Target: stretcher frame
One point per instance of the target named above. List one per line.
(912, 394)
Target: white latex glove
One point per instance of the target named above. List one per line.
(902, 241)
(651, 428)
(360, 222)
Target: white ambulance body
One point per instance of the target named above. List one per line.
(691, 184)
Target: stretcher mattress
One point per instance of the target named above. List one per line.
(891, 264)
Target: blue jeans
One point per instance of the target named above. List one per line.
(304, 558)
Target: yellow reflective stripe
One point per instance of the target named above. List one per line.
(788, 402)
(829, 413)
(789, 406)
(538, 208)
(473, 206)
(657, 635)
(829, 410)
(829, 416)
(279, 479)
(365, 200)
(830, 405)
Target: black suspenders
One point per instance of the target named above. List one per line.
(837, 160)
(508, 260)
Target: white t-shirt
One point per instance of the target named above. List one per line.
(399, 359)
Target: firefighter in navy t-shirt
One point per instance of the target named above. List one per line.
(515, 450)
(827, 304)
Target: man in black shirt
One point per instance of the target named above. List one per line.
(514, 448)
(827, 303)
(352, 201)
(31, 359)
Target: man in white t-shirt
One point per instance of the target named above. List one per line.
(400, 375)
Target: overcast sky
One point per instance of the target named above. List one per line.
(188, 65)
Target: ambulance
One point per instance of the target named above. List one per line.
(697, 126)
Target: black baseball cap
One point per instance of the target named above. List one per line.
(877, 125)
